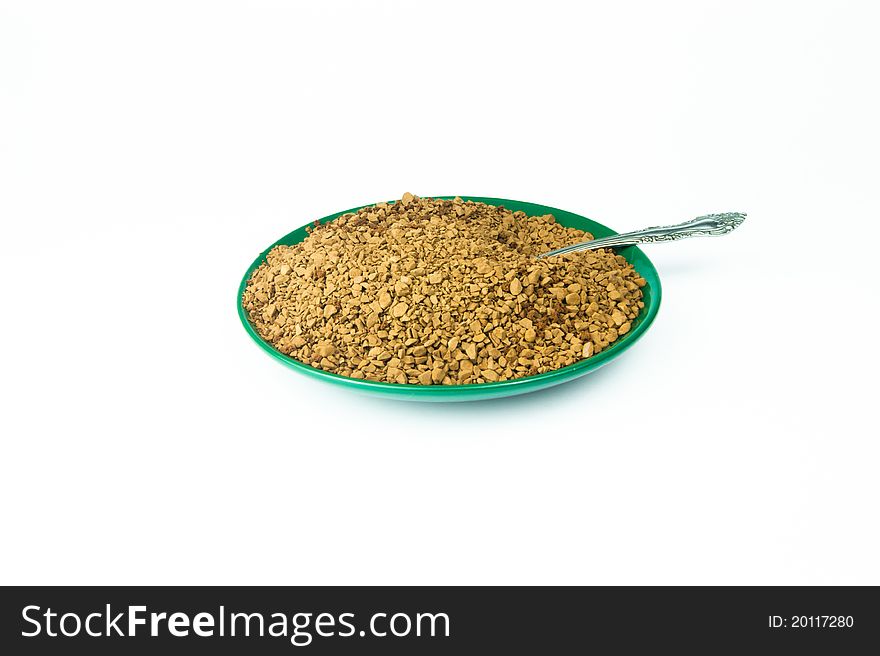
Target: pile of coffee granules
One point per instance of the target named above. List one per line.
(426, 292)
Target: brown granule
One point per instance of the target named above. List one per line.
(427, 291)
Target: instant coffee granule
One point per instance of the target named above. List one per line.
(426, 291)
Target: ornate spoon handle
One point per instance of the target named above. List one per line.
(702, 226)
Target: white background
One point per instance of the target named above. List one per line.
(150, 150)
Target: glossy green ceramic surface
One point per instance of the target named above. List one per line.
(478, 391)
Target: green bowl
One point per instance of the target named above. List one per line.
(479, 391)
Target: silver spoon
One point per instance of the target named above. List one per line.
(702, 226)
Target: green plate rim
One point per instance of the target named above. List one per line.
(496, 389)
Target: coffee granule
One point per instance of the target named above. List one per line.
(426, 291)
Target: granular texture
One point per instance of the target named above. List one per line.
(426, 291)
